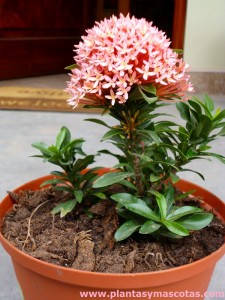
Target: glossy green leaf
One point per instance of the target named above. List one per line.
(161, 202)
(183, 211)
(110, 178)
(150, 100)
(169, 195)
(111, 133)
(51, 182)
(83, 163)
(100, 195)
(196, 106)
(196, 221)
(150, 88)
(220, 116)
(149, 227)
(125, 198)
(128, 184)
(59, 174)
(97, 121)
(176, 228)
(79, 195)
(209, 103)
(64, 208)
(63, 137)
(204, 127)
(42, 147)
(143, 210)
(183, 110)
(126, 230)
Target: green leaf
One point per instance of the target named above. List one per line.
(83, 163)
(42, 147)
(183, 110)
(154, 136)
(97, 121)
(125, 198)
(220, 116)
(111, 133)
(206, 110)
(149, 227)
(128, 184)
(154, 178)
(100, 195)
(73, 66)
(125, 213)
(126, 230)
(184, 195)
(64, 208)
(204, 127)
(196, 106)
(79, 195)
(169, 195)
(222, 131)
(110, 178)
(59, 174)
(176, 228)
(190, 170)
(143, 210)
(150, 88)
(150, 100)
(50, 182)
(135, 205)
(178, 51)
(161, 201)
(196, 221)
(209, 103)
(215, 155)
(62, 138)
(183, 211)
(167, 233)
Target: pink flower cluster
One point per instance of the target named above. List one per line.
(120, 53)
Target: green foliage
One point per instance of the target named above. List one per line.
(72, 178)
(162, 217)
(154, 151)
(157, 149)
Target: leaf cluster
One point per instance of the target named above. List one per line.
(158, 215)
(161, 148)
(67, 153)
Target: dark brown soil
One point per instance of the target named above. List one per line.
(82, 242)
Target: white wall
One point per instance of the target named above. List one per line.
(204, 44)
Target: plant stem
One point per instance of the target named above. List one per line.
(138, 179)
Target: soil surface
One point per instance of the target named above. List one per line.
(85, 242)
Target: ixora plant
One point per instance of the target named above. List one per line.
(124, 66)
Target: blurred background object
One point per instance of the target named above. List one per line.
(37, 36)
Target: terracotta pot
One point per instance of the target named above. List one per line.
(40, 280)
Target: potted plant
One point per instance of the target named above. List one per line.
(120, 232)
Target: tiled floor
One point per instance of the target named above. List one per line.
(21, 128)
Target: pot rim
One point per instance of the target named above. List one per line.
(69, 275)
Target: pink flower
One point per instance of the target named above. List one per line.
(118, 54)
